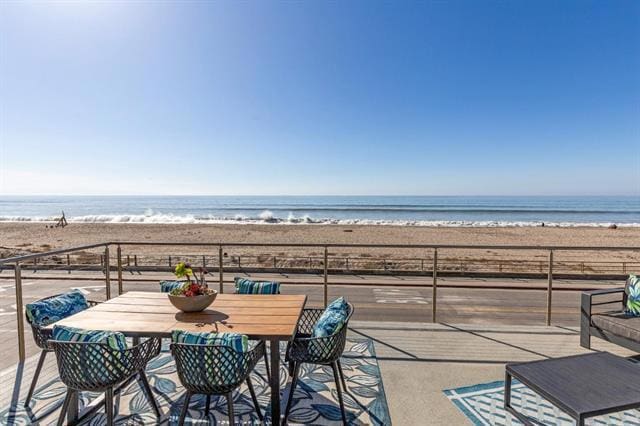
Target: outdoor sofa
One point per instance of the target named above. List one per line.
(610, 324)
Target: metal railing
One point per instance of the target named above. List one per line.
(16, 263)
(343, 263)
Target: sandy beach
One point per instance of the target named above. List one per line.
(18, 238)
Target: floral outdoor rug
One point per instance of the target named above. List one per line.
(315, 398)
(483, 404)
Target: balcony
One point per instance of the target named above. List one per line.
(481, 323)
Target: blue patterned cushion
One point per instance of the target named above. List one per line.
(169, 286)
(239, 342)
(114, 339)
(332, 319)
(632, 291)
(247, 286)
(48, 311)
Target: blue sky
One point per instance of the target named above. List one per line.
(443, 98)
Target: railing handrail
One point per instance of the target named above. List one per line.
(365, 245)
(50, 253)
(319, 245)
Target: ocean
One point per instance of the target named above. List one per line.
(345, 210)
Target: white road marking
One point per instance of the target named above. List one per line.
(88, 289)
(408, 297)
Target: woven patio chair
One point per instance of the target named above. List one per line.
(316, 350)
(97, 367)
(41, 335)
(215, 370)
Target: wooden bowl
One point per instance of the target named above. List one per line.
(194, 303)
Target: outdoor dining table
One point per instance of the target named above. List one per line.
(137, 314)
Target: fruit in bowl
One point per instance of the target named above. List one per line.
(193, 296)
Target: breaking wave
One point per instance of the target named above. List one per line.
(268, 217)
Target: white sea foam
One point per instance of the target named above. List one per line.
(267, 217)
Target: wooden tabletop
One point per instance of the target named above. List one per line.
(147, 314)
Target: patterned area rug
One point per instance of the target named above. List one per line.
(483, 404)
(315, 398)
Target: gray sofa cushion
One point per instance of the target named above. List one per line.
(618, 323)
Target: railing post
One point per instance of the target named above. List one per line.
(434, 288)
(68, 263)
(326, 276)
(204, 261)
(220, 270)
(19, 310)
(107, 272)
(550, 287)
(135, 260)
(119, 254)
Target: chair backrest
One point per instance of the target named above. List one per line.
(90, 366)
(247, 286)
(213, 369)
(322, 349)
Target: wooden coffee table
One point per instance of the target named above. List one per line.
(582, 385)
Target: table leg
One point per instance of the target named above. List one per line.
(507, 389)
(507, 401)
(274, 348)
(72, 413)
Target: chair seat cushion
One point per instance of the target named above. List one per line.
(113, 339)
(632, 292)
(618, 323)
(247, 286)
(239, 342)
(169, 286)
(47, 311)
(332, 319)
